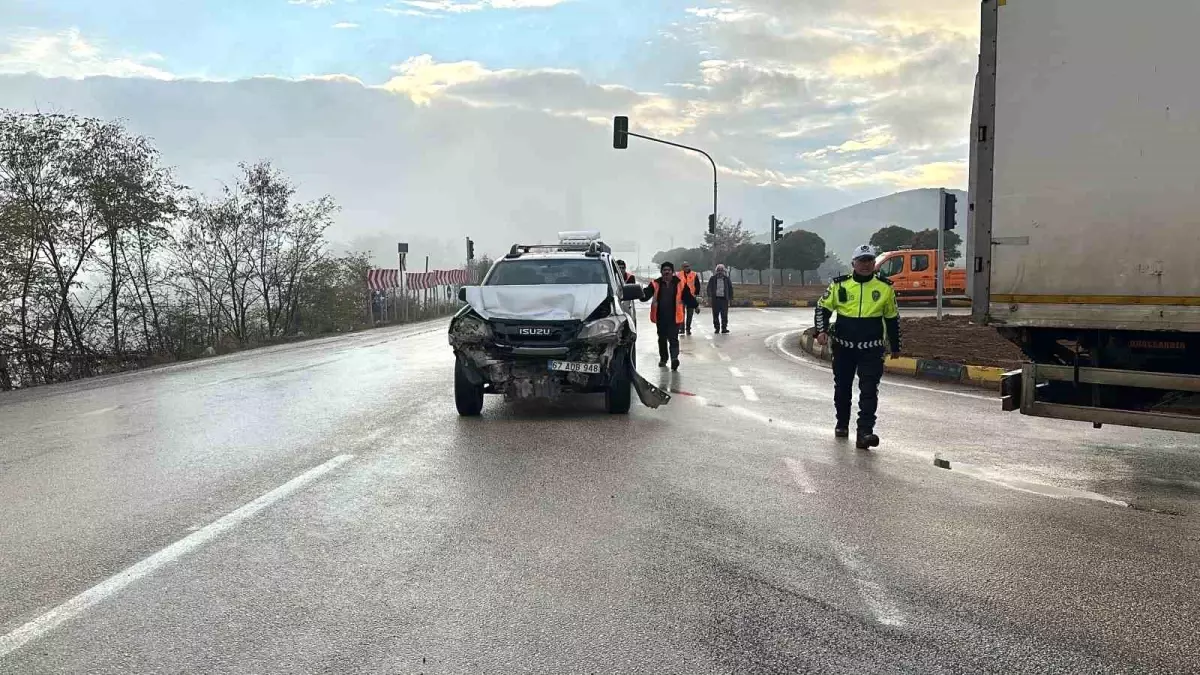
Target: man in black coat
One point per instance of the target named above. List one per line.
(720, 294)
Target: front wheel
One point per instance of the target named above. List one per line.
(619, 395)
(468, 396)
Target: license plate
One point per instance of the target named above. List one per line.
(575, 367)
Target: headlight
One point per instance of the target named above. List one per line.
(600, 329)
(470, 327)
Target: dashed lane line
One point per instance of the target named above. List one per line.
(799, 475)
(749, 393)
(873, 594)
(736, 372)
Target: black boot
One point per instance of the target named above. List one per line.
(674, 364)
(866, 440)
(841, 431)
(662, 363)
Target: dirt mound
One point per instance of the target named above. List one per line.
(955, 338)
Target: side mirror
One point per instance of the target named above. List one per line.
(462, 293)
(631, 292)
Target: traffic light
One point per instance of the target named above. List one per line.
(950, 206)
(470, 249)
(776, 229)
(712, 224)
(620, 132)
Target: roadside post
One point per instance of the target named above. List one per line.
(401, 254)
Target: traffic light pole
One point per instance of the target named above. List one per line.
(771, 265)
(939, 271)
(687, 147)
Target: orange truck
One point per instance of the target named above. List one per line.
(912, 275)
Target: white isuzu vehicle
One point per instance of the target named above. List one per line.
(1085, 202)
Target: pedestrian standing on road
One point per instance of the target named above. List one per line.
(692, 281)
(720, 294)
(868, 320)
(668, 296)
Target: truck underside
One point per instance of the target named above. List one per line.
(1131, 378)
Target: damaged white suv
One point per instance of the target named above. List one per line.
(548, 320)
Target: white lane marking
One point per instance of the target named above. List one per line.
(776, 342)
(762, 310)
(713, 345)
(117, 582)
(724, 357)
(736, 372)
(799, 475)
(872, 593)
(100, 411)
(748, 392)
(709, 337)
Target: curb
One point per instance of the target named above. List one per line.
(986, 377)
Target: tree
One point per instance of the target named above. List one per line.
(728, 237)
(832, 267)
(927, 239)
(751, 256)
(800, 250)
(892, 238)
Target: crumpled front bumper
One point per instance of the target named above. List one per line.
(527, 375)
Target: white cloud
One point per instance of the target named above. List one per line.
(345, 25)
(68, 54)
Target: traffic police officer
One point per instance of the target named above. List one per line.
(868, 320)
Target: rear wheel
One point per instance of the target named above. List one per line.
(619, 394)
(468, 397)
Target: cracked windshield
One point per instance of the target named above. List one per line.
(599, 336)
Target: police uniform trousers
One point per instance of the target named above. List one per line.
(868, 365)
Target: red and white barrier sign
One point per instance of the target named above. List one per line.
(381, 280)
(419, 281)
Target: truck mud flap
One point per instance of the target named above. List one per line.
(650, 395)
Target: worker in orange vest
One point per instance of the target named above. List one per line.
(628, 278)
(692, 281)
(668, 297)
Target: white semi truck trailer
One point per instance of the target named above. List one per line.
(1085, 206)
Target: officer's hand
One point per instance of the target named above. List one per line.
(822, 338)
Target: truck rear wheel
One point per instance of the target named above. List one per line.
(468, 397)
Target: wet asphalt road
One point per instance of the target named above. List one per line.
(321, 508)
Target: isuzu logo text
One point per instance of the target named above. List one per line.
(534, 331)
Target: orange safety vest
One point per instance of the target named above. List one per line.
(678, 301)
(689, 278)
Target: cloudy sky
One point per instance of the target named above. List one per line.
(434, 119)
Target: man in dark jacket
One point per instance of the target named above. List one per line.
(668, 296)
(720, 294)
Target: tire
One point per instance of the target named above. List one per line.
(468, 397)
(619, 395)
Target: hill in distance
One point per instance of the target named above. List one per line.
(845, 229)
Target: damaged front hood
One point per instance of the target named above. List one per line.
(545, 302)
